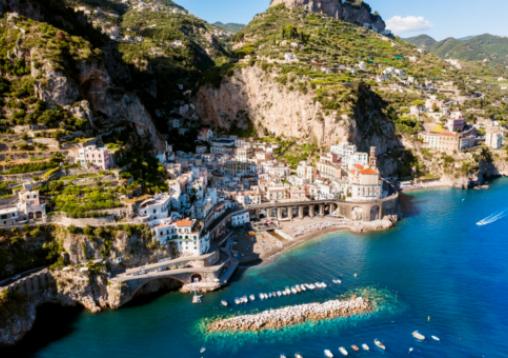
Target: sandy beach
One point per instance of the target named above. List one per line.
(267, 246)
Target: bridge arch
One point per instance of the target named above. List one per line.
(152, 286)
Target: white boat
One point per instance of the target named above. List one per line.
(298, 355)
(355, 348)
(202, 350)
(328, 353)
(252, 297)
(282, 356)
(436, 338)
(224, 303)
(196, 298)
(365, 347)
(343, 351)
(411, 349)
(417, 335)
(337, 281)
(379, 344)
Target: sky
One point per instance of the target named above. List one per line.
(437, 18)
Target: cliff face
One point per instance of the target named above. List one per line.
(253, 98)
(360, 14)
(66, 71)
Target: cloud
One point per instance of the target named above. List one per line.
(404, 24)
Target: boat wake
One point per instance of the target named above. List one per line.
(493, 218)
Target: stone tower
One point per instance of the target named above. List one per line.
(373, 157)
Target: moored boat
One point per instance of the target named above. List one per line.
(436, 338)
(418, 336)
(328, 353)
(379, 344)
(343, 351)
(365, 347)
(355, 348)
(224, 303)
(298, 355)
(202, 350)
(196, 298)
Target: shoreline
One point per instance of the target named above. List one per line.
(310, 229)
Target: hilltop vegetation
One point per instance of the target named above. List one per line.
(489, 49)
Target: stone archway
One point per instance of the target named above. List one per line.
(196, 278)
(374, 212)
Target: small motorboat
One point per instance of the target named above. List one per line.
(202, 350)
(224, 303)
(337, 281)
(328, 353)
(418, 336)
(355, 348)
(298, 355)
(411, 349)
(282, 356)
(343, 351)
(436, 338)
(252, 297)
(197, 298)
(365, 347)
(379, 344)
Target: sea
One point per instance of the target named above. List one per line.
(437, 272)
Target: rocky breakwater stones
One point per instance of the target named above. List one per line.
(293, 315)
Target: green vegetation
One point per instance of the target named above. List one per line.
(27, 248)
(79, 201)
(31, 167)
(51, 50)
(292, 152)
(492, 48)
(229, 27)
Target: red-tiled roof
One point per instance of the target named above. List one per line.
(369, 171)
(183, 223)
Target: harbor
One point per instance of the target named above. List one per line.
(423, 263)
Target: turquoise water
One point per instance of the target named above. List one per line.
(436, 263)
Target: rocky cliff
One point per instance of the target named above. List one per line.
(254, 98)
(67, 72)
(356, 12)
(81, 261)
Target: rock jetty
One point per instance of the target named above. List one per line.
(293, 315)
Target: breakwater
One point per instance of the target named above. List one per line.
(292, 315)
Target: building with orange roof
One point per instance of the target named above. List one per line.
(365, 184)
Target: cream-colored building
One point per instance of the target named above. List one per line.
(441, 141)
(365, 184)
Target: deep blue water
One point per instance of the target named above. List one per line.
(435, 263)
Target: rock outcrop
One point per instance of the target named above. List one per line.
(356, 12)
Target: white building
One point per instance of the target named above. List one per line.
(155, 208)
(305, 171)
(184, 236)
(494, 137)
(240, 219)
(28, 208)
(93, 156)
